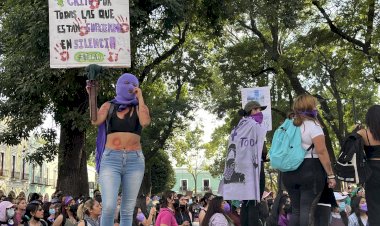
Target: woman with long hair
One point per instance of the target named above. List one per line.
(68, 216)
(34, 214)
(371, 137)
(89, 212)
(182, 213)
(306, 183)
(166, 214)
(215, 215)
(140, 214)
(359, 215)
(205, 200)
(119, 156)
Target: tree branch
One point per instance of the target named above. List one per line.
(339, 31)
(166, 54)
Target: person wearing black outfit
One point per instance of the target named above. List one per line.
(371, 137)
(182, 213)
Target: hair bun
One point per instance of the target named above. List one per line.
(242, 112)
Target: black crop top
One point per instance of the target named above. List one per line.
(129, 124)
(372, 151)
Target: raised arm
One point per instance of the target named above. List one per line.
(102, 114)
(143, 110)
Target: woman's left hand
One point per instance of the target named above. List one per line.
(138, 92)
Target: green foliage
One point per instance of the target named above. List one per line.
(162, 173)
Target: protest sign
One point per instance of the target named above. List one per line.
(261, 95)
(84, 32)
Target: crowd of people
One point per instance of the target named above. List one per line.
(349, 208)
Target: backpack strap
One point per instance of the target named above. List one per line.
(311, 148)
(85, 223)
(366, 133)
(110, 111)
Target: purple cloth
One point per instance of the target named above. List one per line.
(258, 117)
(124, 97)
(283, 220)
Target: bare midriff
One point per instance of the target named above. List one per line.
(123, 141)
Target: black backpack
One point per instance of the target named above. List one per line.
(351, 165)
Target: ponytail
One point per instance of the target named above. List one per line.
(80, 212)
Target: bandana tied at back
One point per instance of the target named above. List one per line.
(125, 96)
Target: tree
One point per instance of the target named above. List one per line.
(186, 152)
(32, 89)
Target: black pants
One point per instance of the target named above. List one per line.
(250, 209)
(304, 186)
(372, 188)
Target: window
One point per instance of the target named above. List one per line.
(13, 166)
(206, 184)
(183, 185)
(2, 164)
(23, 169)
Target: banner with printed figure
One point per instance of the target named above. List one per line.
(261, 95)
(84, 32)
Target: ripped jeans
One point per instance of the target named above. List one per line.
(127, 168)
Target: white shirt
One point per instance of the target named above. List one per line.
(309, 130)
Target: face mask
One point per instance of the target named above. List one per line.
(190, 201)
(140, 217)
(73, 208)
(182, 207)
(176, 203)
(270, 202)
(124, 89)
(258, 117)
(51, 211)
(226, 208)
(287, 208)
(10, 212)
(342, 206)
(363, 207)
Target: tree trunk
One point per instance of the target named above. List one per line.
(72, 167)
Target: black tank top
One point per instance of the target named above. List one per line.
(130, 123)
(372, 151)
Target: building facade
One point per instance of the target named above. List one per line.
(202, 183)
(18, 176)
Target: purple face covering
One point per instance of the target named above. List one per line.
(312, 113)
(226, 208)
(258, 117)
(125, 95)
(140, 217)
(363, 207)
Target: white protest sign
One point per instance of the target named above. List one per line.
(84, 32)
(261, 95)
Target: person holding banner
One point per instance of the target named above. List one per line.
(243, 177)
(119, 156)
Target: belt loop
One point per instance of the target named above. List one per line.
(137, 153)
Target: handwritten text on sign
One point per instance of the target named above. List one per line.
(84, 32)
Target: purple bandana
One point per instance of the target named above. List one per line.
(124, 97)
(258, 117)
(226, 208)
(312, 113)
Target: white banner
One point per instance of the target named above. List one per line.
(84, 32)
(261, 95)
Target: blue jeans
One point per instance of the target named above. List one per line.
(128, 168)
